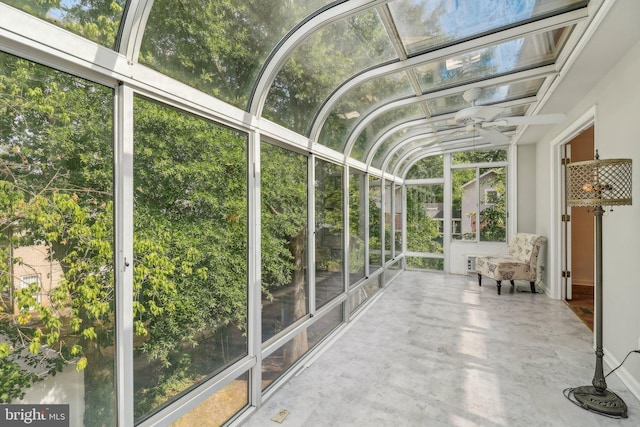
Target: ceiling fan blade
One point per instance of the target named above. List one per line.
(477, 114)
(541, 119)
(493, 136)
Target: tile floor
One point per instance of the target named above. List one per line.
(437, 350)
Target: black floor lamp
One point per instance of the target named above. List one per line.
(599, 183)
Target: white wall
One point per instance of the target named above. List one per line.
(617, 135)
(525, 189)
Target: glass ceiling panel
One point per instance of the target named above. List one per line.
(490, 95)
(218, 46)
(426, 141)
(96, 20)
(428, 24)
(325, 60)
(359, 100)
(396, 156)
(367, 137)
(389, 143)
(446, 136)
(527, 52)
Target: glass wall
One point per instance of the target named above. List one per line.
(57, 313)
(479, 206)
(281, 360)
(220, 406)
(375, 227)
(425, 214)
(388, 218)
(284, 238)
(464, 201)
(329, 231)
(397, 215)
(357, 223)
(190, 235)
(425, 233)
(492, 204)
(190, 245)
(359, 295)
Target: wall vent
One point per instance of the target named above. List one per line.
(471, 263)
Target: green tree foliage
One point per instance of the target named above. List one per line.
(190, 243)
(55, 167)
(190, 221)
(284, 213)
(375, 225)
(357, 182)
(217, 46)
(429, 167)
(284, 210)
(494, 217)
(299, 88)
(423, 232)
(97, 20)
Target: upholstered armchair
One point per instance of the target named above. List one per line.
(520, 263)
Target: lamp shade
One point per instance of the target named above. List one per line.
(599, 182)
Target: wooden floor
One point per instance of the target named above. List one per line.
(582, 303)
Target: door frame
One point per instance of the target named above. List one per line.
(566, 229)
(557, 244)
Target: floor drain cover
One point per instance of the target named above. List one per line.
(280, 416)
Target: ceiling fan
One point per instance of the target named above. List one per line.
(481, 118)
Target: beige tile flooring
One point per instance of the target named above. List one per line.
(437, 350)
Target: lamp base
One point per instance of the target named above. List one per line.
(605, 402)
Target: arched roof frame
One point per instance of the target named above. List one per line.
(416, 157)
(414, 125)
(546, 24)
(137, 12)
(544, 71)
(456, 145)
(419, 152)
(134, 21)
(281, 53)
(427, 141)
(410, 136)
(421, 125)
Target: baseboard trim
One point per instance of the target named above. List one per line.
(623, 374)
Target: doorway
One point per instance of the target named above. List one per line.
(579, 247)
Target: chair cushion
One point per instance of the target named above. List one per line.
(504, 268)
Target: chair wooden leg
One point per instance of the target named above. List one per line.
(499, 283)
(479, 279)
(533, 287)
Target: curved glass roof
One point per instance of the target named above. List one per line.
(323, 61)
(372, 80)
(218, 47)
(426, 25)
(97, 21)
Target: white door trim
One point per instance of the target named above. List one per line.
(589, 118)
